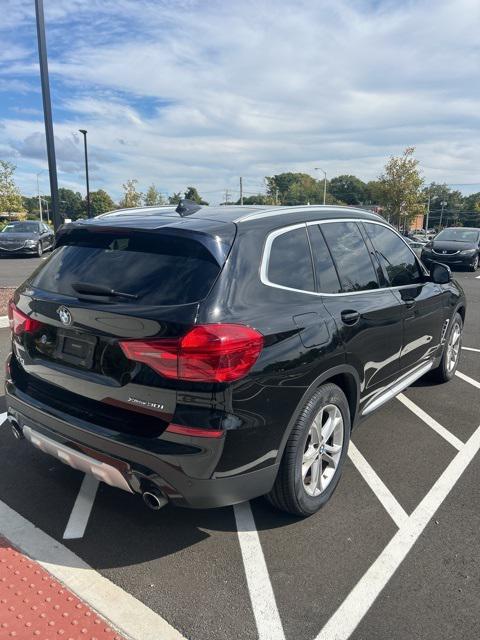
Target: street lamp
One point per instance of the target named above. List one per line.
(324, 183)
(38, 193)
(84, 131)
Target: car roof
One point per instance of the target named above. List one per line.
(160, 216)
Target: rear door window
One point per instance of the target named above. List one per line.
(398, 261)
(327, 278)
(158, 268)
(290, 261)
(351, 256)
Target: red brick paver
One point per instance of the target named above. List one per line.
(33, 605)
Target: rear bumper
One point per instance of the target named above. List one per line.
(141, 467)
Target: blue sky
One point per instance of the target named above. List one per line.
(180, 92)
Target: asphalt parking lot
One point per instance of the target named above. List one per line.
(395, 554)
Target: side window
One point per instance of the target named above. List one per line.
(327, 279)
(351, 256)
(398, 261)
(290, 262)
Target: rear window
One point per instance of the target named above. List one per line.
(158, 267)
(290, 262)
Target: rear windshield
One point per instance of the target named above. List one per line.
(158, 268)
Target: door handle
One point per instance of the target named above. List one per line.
(350, 317)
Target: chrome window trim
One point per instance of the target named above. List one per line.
(278, 232)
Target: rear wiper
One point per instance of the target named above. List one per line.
(91, 289)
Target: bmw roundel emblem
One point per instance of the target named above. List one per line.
(64, 315)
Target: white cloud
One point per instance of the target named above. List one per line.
(202, 92)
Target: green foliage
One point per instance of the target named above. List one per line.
(399, 187)
(131, 197)
(71, 204)
(373, 192)
(297, 188)
(348, 189)
(260, 198)
(439, 193)
(100, 202)
(175, 198)
(192, 194)
(154, 197)
(10, 198)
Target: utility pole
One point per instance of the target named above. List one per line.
(241, 190)
(428, 215)
(47, 112)
(443, 203)
(227, 196)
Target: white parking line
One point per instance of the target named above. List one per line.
(4, 322)
(471, 381)
(379, 488)
(3, 417)
(130, 616)
(471, 349)
(77, 523)
(420, 413)
(355, 606)
(269, 625)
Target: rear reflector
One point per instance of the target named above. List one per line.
(20, 322)
(207, 353)
(198, 432)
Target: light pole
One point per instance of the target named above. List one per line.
(324, 183)
(38, 193)
(84, 131)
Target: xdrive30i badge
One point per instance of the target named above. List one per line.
(64, 315)
(145, 403)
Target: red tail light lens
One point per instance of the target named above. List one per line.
(208, 353)
(197, 432)
(20, 322)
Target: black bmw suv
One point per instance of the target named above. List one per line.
(455, 246)
(208, 356)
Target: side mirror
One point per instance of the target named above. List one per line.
(440, 273)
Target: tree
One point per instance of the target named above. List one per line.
(373, 192)
(100, 202)
(192, 194)
(153, 197)
(260, 198)
(349, 189)
(297, 188)
(131, 197)
(71, 204)
(175, 198)
(10, 198)
(399, 188)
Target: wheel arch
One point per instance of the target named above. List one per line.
(345, 377)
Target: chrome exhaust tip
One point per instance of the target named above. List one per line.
(153, 500)
(16, 429)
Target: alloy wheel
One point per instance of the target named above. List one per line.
(453, 347)
(323, 450)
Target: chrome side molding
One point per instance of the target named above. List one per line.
(398, 386)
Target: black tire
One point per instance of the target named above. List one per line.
(289, 492)
(444, 373)
(39, 249)
(474, 265)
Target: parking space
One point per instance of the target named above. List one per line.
(395, 553)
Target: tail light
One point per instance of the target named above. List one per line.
(207, 353)
(20, 322)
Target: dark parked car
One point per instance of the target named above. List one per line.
(26, 237)
(218, 354)
(456, 246)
